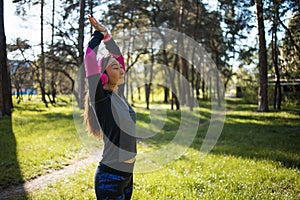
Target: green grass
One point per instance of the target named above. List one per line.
(256, 157)
(272, 136)
(211, 177)
(38, 140)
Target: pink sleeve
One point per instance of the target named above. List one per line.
(121, 61)
(91, 63)
(107, 37)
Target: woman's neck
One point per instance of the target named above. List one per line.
(110, 87)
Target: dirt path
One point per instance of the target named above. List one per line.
(44, 180)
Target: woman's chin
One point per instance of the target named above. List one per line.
(121, 82)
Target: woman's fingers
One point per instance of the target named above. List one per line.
(92, 20)
(96, 24)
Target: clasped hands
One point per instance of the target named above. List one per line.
(99, 27)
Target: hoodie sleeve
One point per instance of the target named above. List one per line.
(92, 68)
(113, 49)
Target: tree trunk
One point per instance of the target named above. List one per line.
(197, 85)
(5, 83)
(148, 86)
(53, 18)
(215, 73)
(53, 73)
(195, 32)
(263, 63)
(277, 102)
(81, 73)
(171, 76)
(131, 89)
(42, 60)
(180, 51)
(204, 90)
(218, 88)
(53, 87)
(91, 5)
(166, 94)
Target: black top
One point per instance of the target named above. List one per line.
(116, 117)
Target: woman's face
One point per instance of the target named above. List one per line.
(115, 72)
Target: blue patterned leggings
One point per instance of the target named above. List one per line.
(110, 185)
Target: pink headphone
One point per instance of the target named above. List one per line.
(104, 78)
(103, 75)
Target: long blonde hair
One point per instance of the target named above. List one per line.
(90, 119)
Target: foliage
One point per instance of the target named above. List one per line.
(291, 56)
(223, 32)
(236, 17)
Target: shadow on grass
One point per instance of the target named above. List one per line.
(248, 134)
(38, 106)
(263, 142)
(161, 134)
(262, 136)
(10, 171)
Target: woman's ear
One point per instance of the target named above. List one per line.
(104, 78)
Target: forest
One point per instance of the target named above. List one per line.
(214, 84)
(253, 47)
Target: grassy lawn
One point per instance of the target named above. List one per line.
(38, 140)
(256, 157)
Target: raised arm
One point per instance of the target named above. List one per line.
(109, 42)
(113, 49)
(92, 67)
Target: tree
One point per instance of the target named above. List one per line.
(291, 61)
(5, 83)
(275, 13)
(42, 68)
(81, 78)
(184, 16)
(42, 58)
(53, 73)
(236, 17)
(294, 6)
(263, 64)
(70, 41)
(275, 54)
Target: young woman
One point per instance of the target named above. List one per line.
(109, 116)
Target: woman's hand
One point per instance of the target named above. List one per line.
(99, 27)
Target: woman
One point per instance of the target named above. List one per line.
(109, 116)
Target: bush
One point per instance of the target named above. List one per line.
(249, 94)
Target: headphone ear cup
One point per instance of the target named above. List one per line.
(104, 78)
